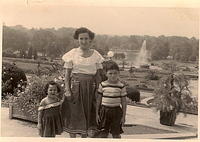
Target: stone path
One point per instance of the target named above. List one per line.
(141, 123)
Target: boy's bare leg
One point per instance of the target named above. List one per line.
(116, 136)
(103, 134)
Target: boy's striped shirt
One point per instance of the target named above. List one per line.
(112, 93)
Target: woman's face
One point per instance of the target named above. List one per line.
(84, 40)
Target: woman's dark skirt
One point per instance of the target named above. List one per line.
(79, 114)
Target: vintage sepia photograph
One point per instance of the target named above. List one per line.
(99, 71)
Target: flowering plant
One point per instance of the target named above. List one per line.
(28, 98)
(11, 76)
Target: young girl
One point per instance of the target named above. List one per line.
(50, 122)
(111, 103)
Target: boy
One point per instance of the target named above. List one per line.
(111, 103)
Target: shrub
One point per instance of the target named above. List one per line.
(145, 66)
(173, 94)
(11, 77)
(133, 94)
(27, 99)
(8, 53)
(152, 76)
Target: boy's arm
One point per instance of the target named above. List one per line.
(99, 101)
(124, 106)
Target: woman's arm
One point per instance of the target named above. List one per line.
(124, 105)
(99, 76)
(67, 83)
(99, 100)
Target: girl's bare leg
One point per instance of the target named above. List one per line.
(72, 135)
(83, 135)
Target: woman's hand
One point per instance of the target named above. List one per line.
(39, 126)
(68, 95)
(123, 121)
(97, 118)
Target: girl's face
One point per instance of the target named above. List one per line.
(84, 41)
(112, 75)
(52, 90)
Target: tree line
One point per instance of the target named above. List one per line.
(53, 43)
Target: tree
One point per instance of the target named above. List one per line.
(42, 39)
(15, 39)
(195, 49)
(65, 41)
(53, 51)
(23, 53)
(180, 48)
(100, 43)
(30, 52)
(35, 56)
(160, 51)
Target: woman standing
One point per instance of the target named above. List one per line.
(82, 65)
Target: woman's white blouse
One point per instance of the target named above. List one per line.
(73, 60)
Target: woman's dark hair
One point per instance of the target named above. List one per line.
(110, 65)
(51, 83)
(83, 30)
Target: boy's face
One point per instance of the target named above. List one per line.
(112, 75)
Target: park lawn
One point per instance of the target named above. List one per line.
(137, 78)
(28, 66)
(191, 65)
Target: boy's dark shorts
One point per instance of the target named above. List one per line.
(110, 120)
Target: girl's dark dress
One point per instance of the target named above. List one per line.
(52, 123)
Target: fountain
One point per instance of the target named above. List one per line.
(142, 58)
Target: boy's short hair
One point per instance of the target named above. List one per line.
(110, 65)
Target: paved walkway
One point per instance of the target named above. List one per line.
(141, 123)
(186, 126)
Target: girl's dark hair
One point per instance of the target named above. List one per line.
(110, 65)
(51, 83)
(83, 30)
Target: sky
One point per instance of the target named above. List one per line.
(111, 18)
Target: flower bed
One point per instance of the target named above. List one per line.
(11, 77)
(16, 111)
(26, 102)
